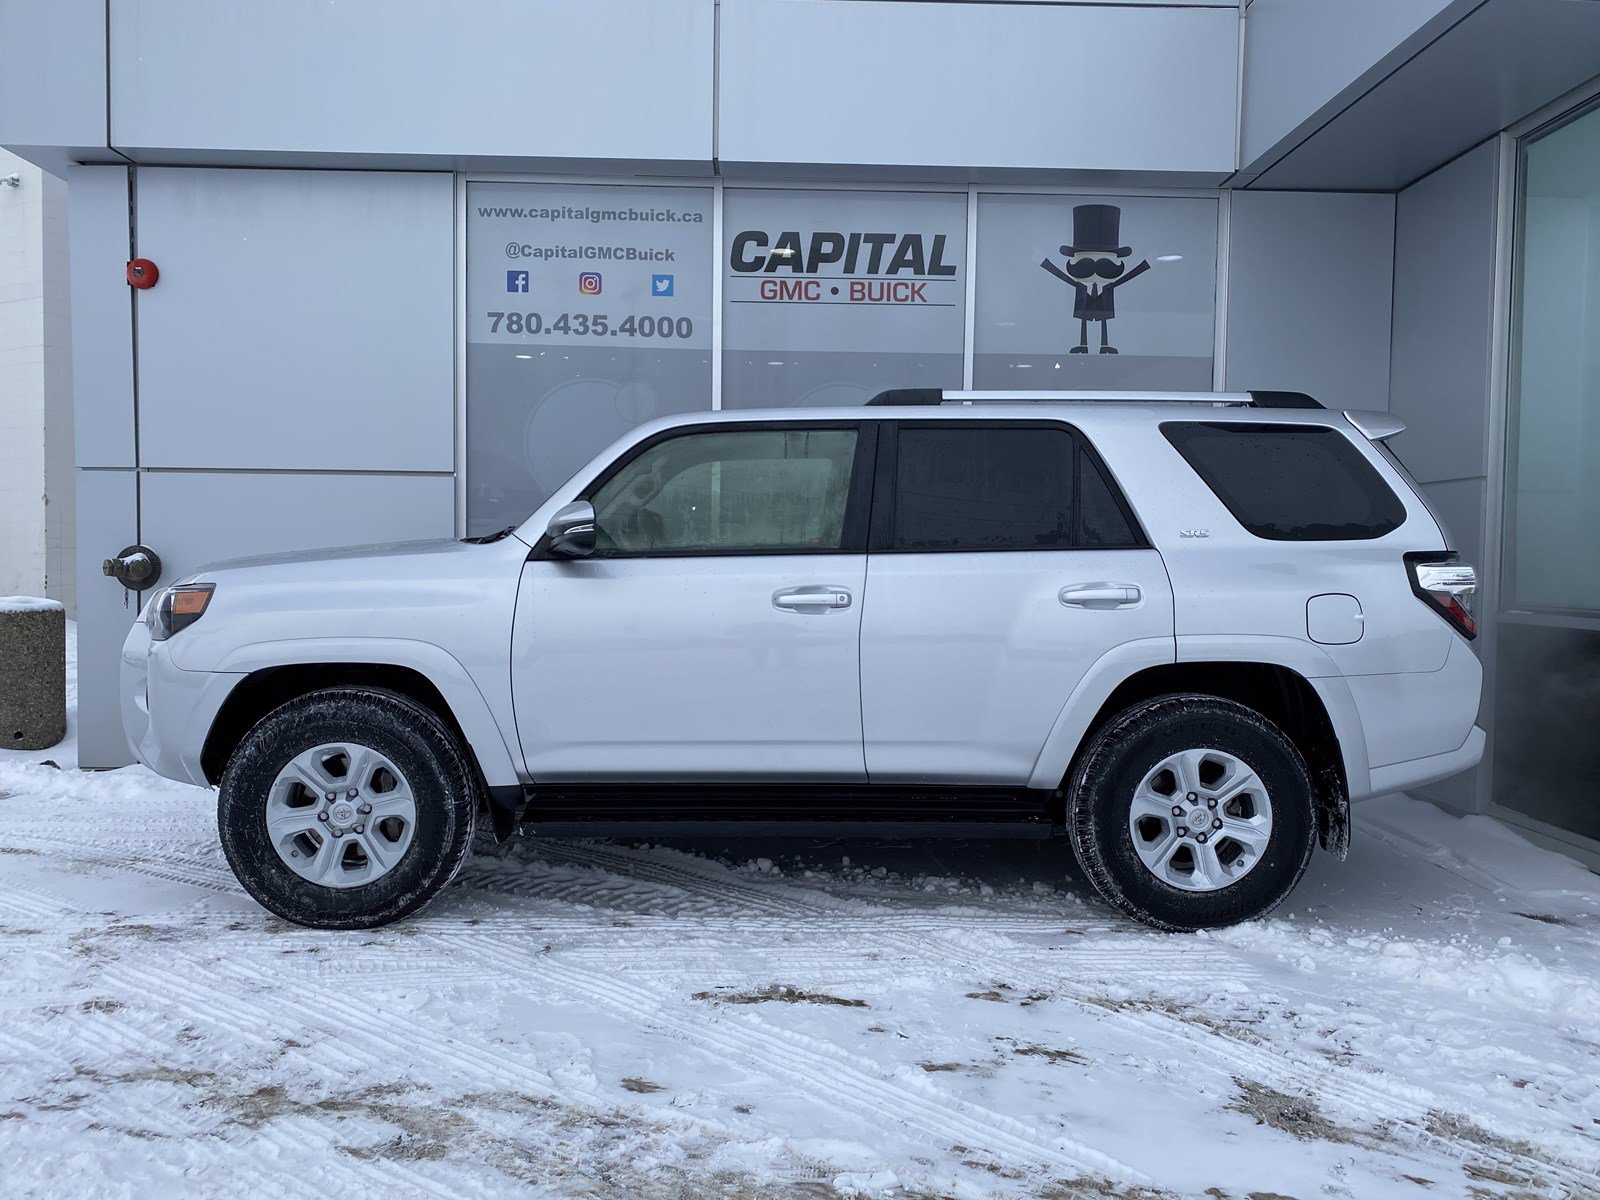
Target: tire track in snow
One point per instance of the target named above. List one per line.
(496, 1064)
(850, 1082)
(718, 887)
(916, 932)
(192, 992)
(118, 1055)
(171, 869)
(354, 1037)
(1370, 1096)
(29, 905)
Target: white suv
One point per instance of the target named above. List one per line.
(1182, 631)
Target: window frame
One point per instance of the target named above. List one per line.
(1173, 431)
(853, 535)
(881, 540)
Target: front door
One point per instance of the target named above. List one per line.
(714, 634)
(1004, 563)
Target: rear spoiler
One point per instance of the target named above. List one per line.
(1378, 426)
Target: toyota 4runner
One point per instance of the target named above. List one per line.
(1180, 631)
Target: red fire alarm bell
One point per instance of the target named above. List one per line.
(142, 273)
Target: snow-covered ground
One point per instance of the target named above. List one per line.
(802, 1019)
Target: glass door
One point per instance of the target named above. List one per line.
(1547, 676)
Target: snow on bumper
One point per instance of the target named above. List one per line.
(167, 711)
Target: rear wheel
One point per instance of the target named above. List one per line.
(1189, 811)
(347, 808)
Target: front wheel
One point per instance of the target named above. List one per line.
(347, 808)
(1190, 812)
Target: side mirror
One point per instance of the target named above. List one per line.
(571, 530)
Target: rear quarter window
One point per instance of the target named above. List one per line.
(1290, 483)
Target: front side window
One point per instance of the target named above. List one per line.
(1290, 483)
(729, 491)
(972, 487)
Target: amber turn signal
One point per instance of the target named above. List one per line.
(178, 608)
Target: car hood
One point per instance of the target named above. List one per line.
(341, 561)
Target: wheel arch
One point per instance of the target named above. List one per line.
(275, 675)
(1280, 694)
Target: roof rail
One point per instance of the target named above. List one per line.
(897, 397)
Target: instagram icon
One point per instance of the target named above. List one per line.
(589, 283)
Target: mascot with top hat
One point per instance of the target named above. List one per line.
(1095, 269)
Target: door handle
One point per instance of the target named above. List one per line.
(812, 598)
(1101, 595)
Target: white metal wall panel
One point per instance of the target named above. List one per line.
(102, 316)
(1479, 67)
(53, 85)
(192, 518)
(1079, 87)
(1443, 318)
(1309, 295)
(519, 78)
(107, 521)
(1299, 55)
(1460, 504)
(303, 320)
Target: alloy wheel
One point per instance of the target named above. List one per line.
(1200, 820)
(340, 815)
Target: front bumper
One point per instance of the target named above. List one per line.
(166, 711)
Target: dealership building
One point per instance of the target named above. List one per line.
(406, 264)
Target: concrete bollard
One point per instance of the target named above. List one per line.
(33, 673)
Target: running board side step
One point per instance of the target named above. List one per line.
(790, 810)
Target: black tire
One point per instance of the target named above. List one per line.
(1131, 745)
(415, 740)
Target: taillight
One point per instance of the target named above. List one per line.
(1445, 584)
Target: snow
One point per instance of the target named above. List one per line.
(785, 1019)
(28, 604)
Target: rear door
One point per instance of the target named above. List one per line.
(1003, 564)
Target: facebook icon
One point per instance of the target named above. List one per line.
(516, 281)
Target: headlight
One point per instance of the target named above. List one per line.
(178, 608)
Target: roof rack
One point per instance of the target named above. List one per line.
(922, 397)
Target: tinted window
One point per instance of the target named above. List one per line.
(972, 487)
(758, 490)
(1103, 519)
(1303, 483)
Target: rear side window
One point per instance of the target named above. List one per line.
(1290, 483)
(977, 487)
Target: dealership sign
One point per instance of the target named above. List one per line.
(845, 271)
(857, 259)
(592, 266)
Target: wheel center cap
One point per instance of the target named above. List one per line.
(342, 813)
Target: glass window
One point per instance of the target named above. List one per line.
(974, 487)
(1552, 536)
(588, 313)
(829, 297)
(754, 490)
(1086, 292)
(1103, 519)
(1290, 483)
(1547, 644)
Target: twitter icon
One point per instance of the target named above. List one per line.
(661, 285)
